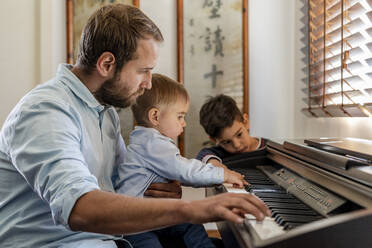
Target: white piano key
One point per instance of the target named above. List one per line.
(229, 187)
(265, 229)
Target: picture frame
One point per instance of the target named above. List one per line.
(212, 58)
(77, 14)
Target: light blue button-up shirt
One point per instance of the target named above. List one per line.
(153, 157)
(57, 144)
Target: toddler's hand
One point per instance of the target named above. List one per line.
(217, 163)
(235, 178)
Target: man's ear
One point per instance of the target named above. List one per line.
(106, 64)
(153, 116)
(246, 121)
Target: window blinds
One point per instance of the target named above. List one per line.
(340, 58)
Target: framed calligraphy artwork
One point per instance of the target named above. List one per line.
(215, 59)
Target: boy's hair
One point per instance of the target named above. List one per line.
(217, 113)
(164, 91)
(115, 28)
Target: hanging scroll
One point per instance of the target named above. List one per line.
(213, 59)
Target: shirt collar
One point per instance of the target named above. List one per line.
(65, 75)
(259, 143)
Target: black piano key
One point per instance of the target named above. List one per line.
(255, 191)
(283, 200)
(257, 177)
(276, 211)
(291, 225)
(287, 205)
(274, 195)
(262, 182)
(263, 188)
(250, 173)
(284, 218)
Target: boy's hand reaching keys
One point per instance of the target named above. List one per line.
(235, 178)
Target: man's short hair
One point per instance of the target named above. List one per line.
(218, 113)
(114, 28)
(164, 92)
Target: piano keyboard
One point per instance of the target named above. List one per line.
(288, 212)
(314, 203)
(265, 229)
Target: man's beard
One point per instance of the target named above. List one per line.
(111, 94)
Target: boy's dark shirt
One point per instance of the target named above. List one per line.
(222, 153)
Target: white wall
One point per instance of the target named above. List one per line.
(52, 37)
(271, 72)
(164, 14)
(32, 44)
(18, 52)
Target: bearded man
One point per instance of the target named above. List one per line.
(61, 145)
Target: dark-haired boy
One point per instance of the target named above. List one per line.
(228, 128)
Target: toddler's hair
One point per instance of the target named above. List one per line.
(164, 91)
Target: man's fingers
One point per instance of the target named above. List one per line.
(248, 207)
(162, 194)
(153, 193)
(229, 215)
(164, 190)
(249, 204)
(176, 182)
(260, 204)
(238, 212)
(160, 186)
(238, 206)
(174, 186)
(226, 206)
(238, 184)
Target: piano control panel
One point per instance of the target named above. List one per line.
(314, 196)
(313, 204)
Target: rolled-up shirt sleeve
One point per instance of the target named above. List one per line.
(46, 151)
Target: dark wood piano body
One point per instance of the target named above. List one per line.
(349, 224)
